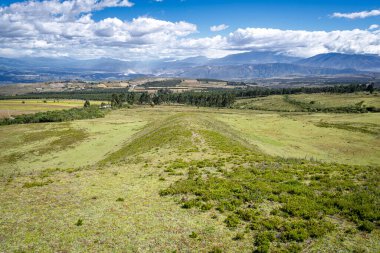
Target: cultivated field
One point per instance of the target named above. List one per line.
(187, 179)
(18, 106)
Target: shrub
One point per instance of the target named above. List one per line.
(366, 226)
(232, 221)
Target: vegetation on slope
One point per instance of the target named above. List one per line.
(218, 192)
(317, 102)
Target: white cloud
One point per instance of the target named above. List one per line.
(355, 15)
(373, 27)
(66, 28)
(306, 43)
(218, 28)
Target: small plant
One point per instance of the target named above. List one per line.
(216, 250)
(238, 236)
(79, 222)
(120, 199)
(193, 235)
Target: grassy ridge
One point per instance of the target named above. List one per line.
(186, 179)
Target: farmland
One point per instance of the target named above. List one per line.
(17, 106)
(188, 179)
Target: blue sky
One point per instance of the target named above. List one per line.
(282, 14)
(295, 15)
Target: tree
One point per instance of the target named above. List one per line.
(116, 101)
(86, 104)
(370, 88)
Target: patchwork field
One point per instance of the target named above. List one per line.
(18, 106)
(186, 179)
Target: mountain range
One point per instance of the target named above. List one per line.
(248, 65)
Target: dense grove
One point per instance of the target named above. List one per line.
(89, 112)
(262, 92)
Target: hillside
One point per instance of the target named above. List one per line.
(343, 61)
(180, 178)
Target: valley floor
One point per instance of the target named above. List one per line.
(159, 180)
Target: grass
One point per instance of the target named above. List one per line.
(270, 103)
(27, 106)
(342, 138)
(179, 178)
(320, 102)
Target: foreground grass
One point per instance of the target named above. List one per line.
(183, 179)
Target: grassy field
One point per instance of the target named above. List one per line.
(182, 179)
(317, 101)
(18, 106)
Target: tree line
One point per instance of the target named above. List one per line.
(262, 91)
(206, 99)
(87, 112)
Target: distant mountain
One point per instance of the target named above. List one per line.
(64, 64)
(237, 66)
(250, 71)
(254, 58)
(343, 61)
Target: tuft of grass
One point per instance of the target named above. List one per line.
(36, 183)
(193, 235)
(79, 222)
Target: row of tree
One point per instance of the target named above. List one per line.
(208, 99)
(262, 92)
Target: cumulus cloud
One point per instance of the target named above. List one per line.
(355, 15)
(218, 28)
(66, 28)
(306, 43)
(373, 27)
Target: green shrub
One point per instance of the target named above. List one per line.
(232, 221)
(366, 226)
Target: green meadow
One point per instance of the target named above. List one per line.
(188, 179)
